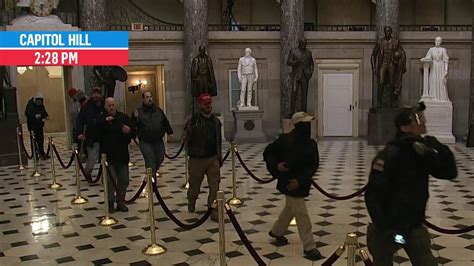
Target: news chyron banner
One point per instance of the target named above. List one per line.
(62, 48)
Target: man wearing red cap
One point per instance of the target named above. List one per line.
(202, 136)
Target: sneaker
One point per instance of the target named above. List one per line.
(313, 254)
(191, 206)
(280, 240)
(121, 207)
(111, 208)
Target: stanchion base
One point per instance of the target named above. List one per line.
(21, 167)
(55, 185)
(235, 201)
(36, 174)
(293, 221)
(144, 194)
(186, 186)
(107, 221)
(153, 250)
(79, 200)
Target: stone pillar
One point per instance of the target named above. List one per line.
(292, 28)
(92, 17)
(471, 104)
(195, 35)
(387, 15)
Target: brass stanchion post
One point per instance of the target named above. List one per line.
(351, 247)
(20, 153)
(35, 173)
(153, 248)
(186, 163)
(221, 209)
(53, 185)
(78, 199)
(234, 200)
(106, 220)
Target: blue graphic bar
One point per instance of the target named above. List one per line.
(63, 39)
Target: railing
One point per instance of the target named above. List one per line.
(147, 27)
(435, 27)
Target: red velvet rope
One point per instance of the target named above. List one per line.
(355, 194)
(263, 181)
(177, 154)
(174, 218)
(333, 258)
(87, 177)
(113, 181)
(24, 147)
(244, 238)
(71, 160)
(449, 231)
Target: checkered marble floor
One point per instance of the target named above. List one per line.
(40, 226)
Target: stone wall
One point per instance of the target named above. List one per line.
(165, 48)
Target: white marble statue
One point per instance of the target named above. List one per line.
(438, 77)
(248, 75)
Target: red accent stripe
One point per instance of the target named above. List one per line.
(65, 57)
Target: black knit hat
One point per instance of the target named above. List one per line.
(407, 114)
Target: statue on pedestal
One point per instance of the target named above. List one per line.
(301, 61)
(388, 62)
(438, 77)
(247, 72)
(202, 76)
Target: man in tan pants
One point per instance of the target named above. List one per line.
(293, 158)
(202, 135)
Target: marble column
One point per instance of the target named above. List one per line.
(92, 17)
(387, 15)
(292, 28)
(471, 104)
(195, 35)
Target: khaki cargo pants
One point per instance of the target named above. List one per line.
(295, 207)
(197, 168)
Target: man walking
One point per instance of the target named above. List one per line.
(115, 134)
(202, 136)
(152, 125)
(35, 113)
(397, 192)
(87, 131)
(293, 158)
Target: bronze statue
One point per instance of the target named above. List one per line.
(388, 62)
(202, 75)
(4, 77)
(301, 61)
(105, 77)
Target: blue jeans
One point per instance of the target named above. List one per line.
(153, 154)
(92, 157)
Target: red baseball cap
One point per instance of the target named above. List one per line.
(72, 92)
(204, 98)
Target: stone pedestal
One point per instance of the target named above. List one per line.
(288, 127)
(381, 126)
(248, 126)
(439, 120)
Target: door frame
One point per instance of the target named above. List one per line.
(335, 66)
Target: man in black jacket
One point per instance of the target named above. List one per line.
(86, 128)
(152, 125)
(293, 158)
(397, 192)
(35, 113)
(202, 135)
(116, 131)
